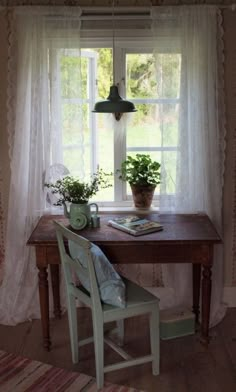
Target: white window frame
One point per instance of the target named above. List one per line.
(123, 46)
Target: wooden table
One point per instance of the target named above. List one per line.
(185, 239)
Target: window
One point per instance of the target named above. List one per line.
(88, 141)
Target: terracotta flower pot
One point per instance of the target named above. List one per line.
(142, 195)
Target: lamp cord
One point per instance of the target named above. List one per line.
(113, 39)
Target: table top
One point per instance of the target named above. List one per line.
(177, 228)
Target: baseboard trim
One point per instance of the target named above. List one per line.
(229, 296)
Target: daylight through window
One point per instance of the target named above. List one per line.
(87, 141)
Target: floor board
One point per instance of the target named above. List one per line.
(186, 366)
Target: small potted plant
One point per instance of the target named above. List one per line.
(143, 175)
(72, 190)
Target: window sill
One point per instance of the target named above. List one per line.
(120, 209)
(127, 209)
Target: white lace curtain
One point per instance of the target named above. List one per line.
(196, 34)
(40, 33)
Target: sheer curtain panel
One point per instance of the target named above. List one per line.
(196, 32)
(38, 36)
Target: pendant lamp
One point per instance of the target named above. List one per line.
(114, 103)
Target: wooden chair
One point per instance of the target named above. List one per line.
(138, 302)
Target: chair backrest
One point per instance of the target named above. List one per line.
(72, 267)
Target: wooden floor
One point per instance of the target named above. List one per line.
(186, 366)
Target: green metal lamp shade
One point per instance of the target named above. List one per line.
(114, 104)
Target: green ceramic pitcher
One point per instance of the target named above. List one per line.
(80, 214)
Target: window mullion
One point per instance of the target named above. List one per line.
(119, 128)
(56, 107)
(92, 120)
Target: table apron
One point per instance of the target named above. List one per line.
(139, 253)
(155, 254)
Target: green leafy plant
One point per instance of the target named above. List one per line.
(141, 170)
(73, 190)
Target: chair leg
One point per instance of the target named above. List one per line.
(72, 318)
(120, 331)
(155, 341)
(98, 332)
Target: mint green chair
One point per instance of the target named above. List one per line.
(138, 302)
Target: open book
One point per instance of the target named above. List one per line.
(135, 225)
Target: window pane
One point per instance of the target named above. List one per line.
(104, 71)
(85, 77)
(70, 74)
(105, 152)
(167, 117)
(71, 119)
(168, 171)
(140, 76)
(143, 130)
(76, 139)
(150, 76)
(153, 125)
(103, 65)
(72, 159)
(168, 75)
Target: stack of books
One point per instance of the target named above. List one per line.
(135, 225)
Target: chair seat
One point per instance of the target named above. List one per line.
(135, 295)
(137, 298)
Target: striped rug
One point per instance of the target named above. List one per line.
(19, 374)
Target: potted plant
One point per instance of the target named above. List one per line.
(72, 190)
(143, 175)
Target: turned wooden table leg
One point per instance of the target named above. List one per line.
(206, 302)
(44, 306)
(196, 290)
(55, 279)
